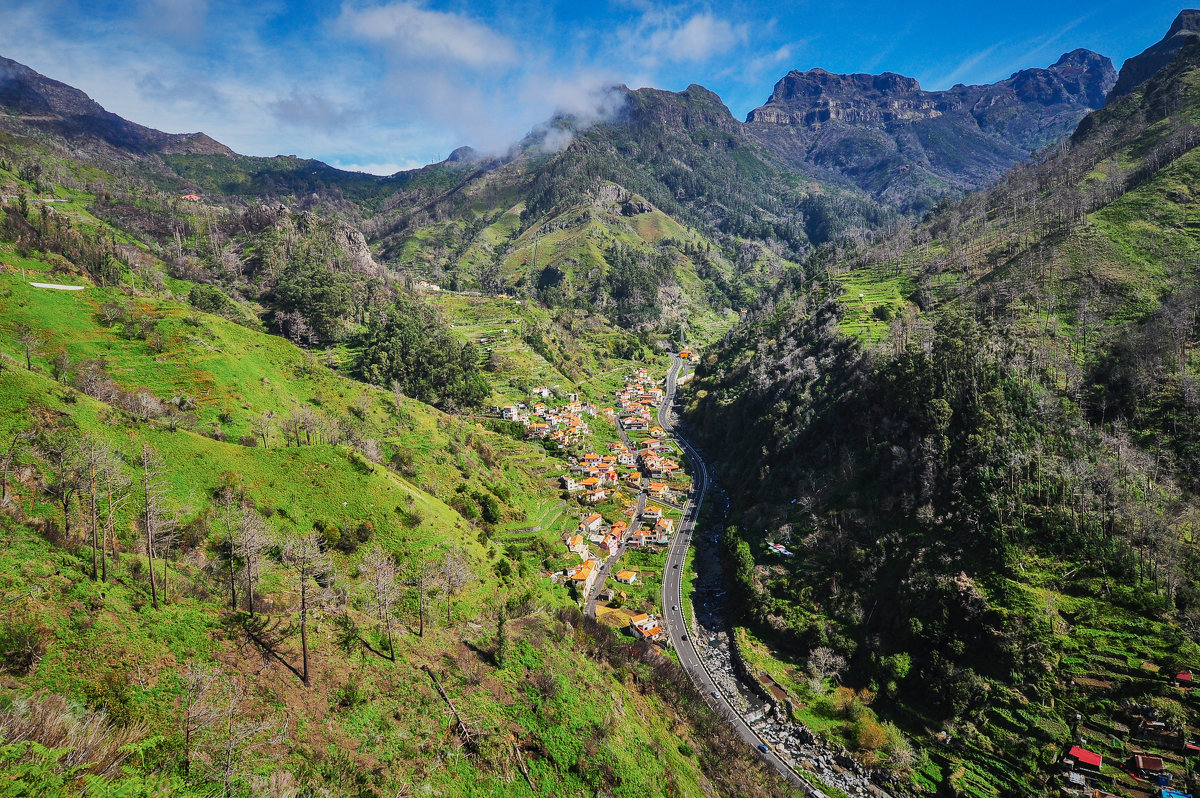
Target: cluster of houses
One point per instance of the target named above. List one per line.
(636, 403)
(608, 540)
(564, 425)
(1082, 768)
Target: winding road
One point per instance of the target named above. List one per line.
(672, 594)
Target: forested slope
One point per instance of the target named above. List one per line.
(979, 438)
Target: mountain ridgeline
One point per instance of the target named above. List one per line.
(909, 147)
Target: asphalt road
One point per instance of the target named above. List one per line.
(672, 593)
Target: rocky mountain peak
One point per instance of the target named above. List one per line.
(1188, 21)
(904, 144)
(1139, 69)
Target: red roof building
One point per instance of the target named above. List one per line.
(1085, 758)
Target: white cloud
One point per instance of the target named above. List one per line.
(664, 35)
(312, 111)
(384, 169)
(411, 32)
(701, 38)
(178, 19)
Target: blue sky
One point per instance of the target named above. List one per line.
(381, 85)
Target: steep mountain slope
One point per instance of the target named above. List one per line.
(910, 147)
(667, 209)
(979, 440)
(1137, 70)
(33, 100)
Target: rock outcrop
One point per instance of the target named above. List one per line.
(1137, 70)
(908, 146)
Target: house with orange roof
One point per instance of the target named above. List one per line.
(610, 544)
(596, 496)
(651, 633)
(569, 484)
(644, 626)
(628, 577)
(578, 545)
(592, 523)
(662, 532)
(619, 528)
(659, 490)
(652, 512)
(658, 432)
(584, 576)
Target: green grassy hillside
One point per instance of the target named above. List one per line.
(127, 690)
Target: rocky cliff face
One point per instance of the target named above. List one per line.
(1140, 68)
(35, 101)
(910, 146)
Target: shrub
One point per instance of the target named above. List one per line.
(870, 734)
(22, 644)
(88, 740)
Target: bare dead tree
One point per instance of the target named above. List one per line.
(253, 539)
(227, 501)
(9, 458)
(307, 559)
(380, 571)
(29, 339)
(197, 710)
(418, 576)
(455, 574)
(95, 457)
(117, 491)
(239, 735)
(154, 518)
(60, 448)
(262, 425)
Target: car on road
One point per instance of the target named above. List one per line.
(674, 608)
(715, 694)
(676, 565)
(763, 748)
(685, 637)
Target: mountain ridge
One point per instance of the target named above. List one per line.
(902, 144)
(1143, 66)
(52, 106)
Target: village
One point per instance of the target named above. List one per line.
(1139, 752)
(629, 487)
